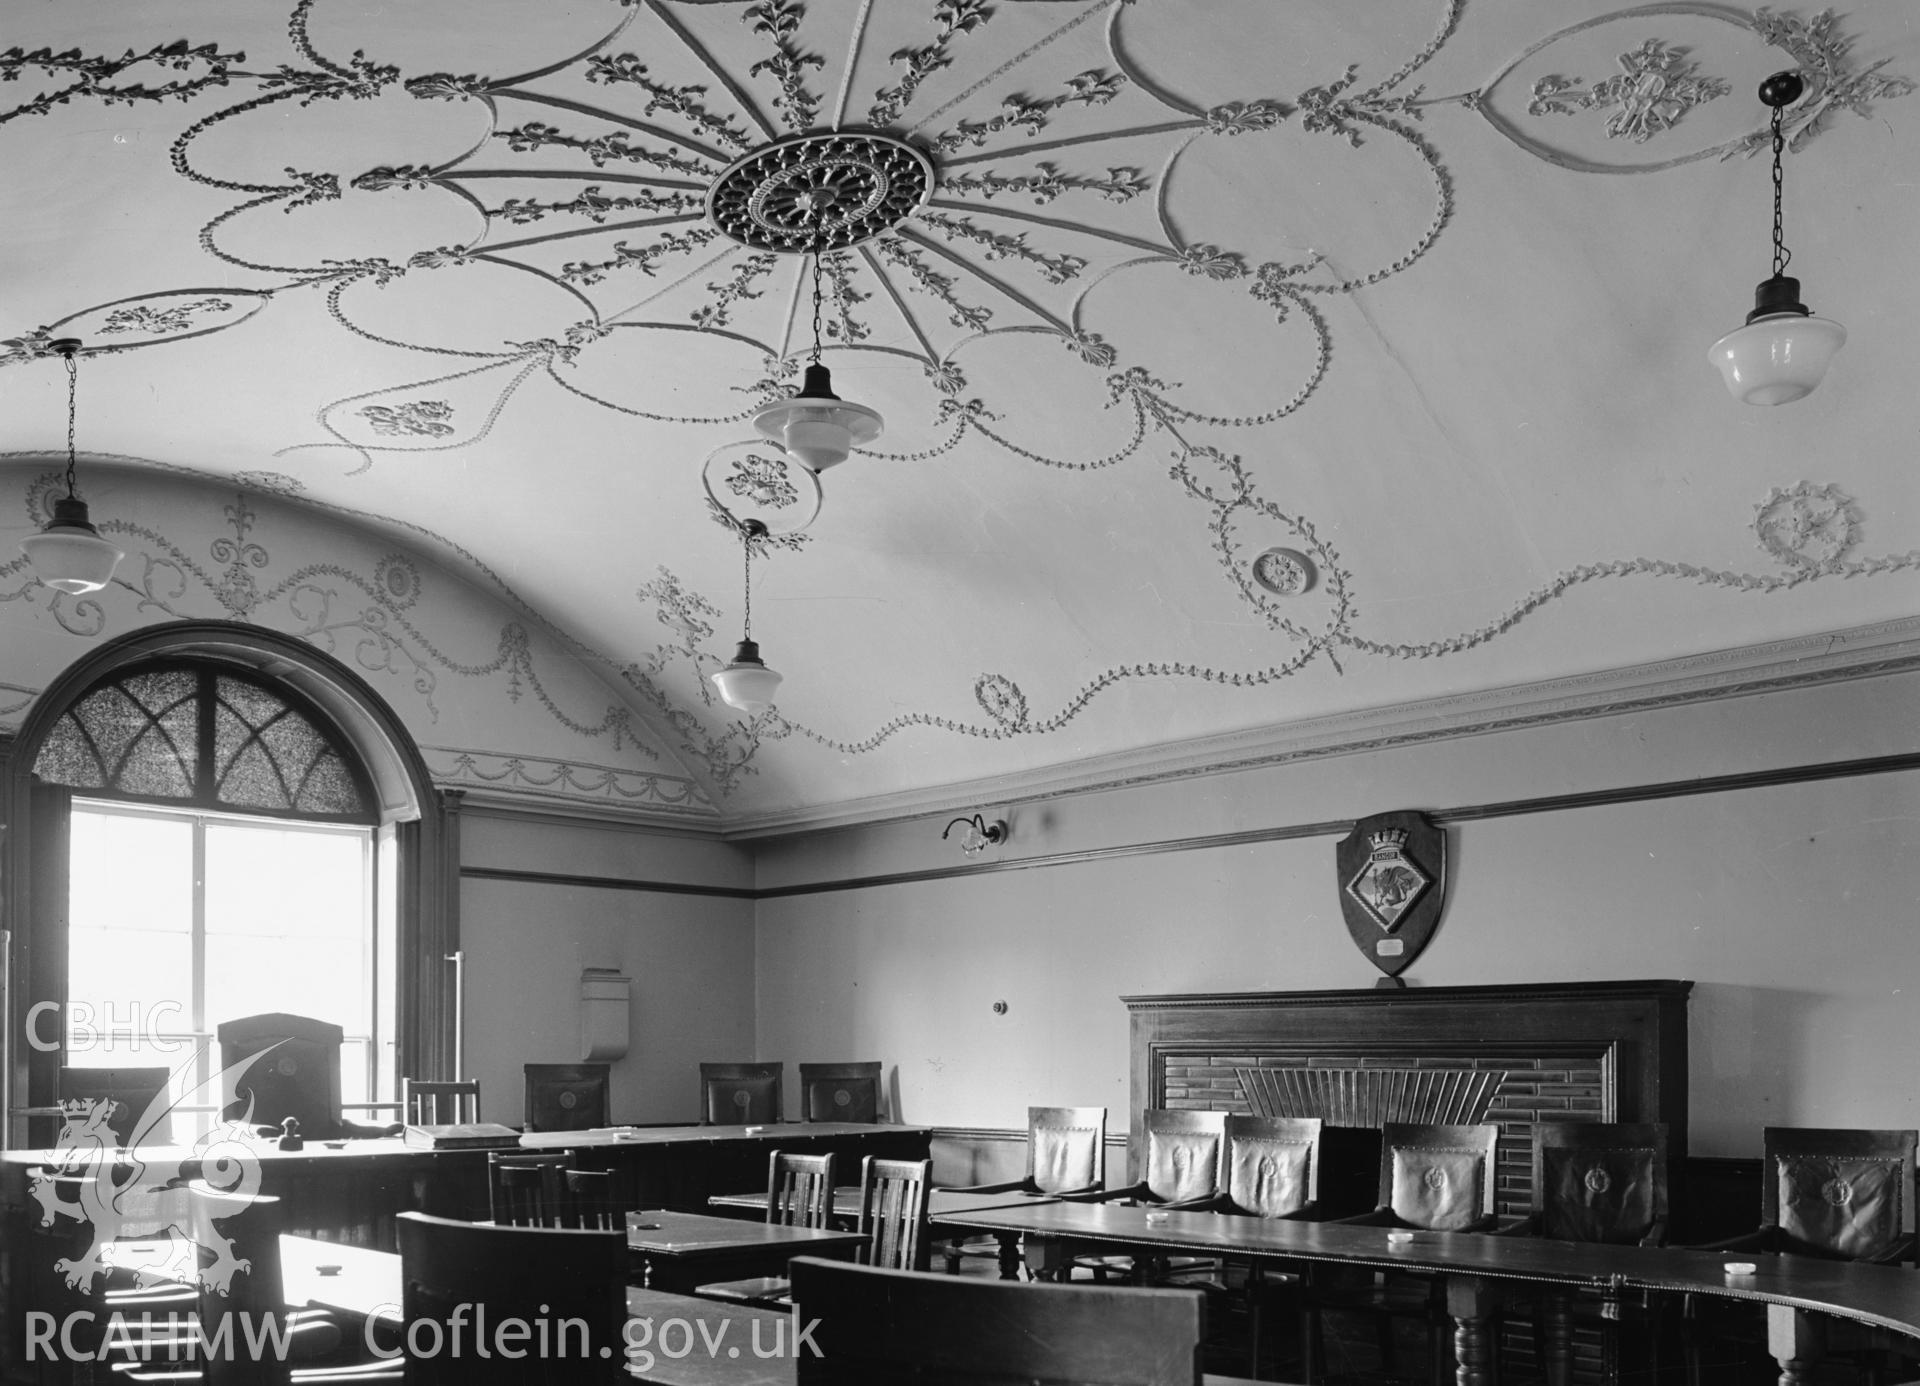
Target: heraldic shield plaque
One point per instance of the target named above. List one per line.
(1393, 882)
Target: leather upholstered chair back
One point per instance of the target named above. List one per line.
(1599, 1181)
(742, 1094)
(1182, 1158)
(1842, 1194)
(567, 1097)
(296, 1072)
(840, 1092)
(1439, 1178)
(1066, 1148)
(1272, 1164)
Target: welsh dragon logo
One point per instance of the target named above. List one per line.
(140, 1191)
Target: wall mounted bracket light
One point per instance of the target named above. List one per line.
(978, 835)
(1783, 352)
(747, 684)
(69, 555)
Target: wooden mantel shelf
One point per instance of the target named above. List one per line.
(1410, 995)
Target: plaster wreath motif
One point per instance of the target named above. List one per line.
(958, 243)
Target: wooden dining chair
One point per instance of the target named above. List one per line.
(1433, 1178)
(877, 1327)
(893, 1218)
(893, 1213)
(1178, 1162)
(567, 1097)
(1597, 1181)
(742, 1094)
(1836, 1194)
(840, 1092)
(799, 1189)
(527, 1190)
(587, 1200)
(434, 1103)
(1066, 1154)
(1270, 1168)
(799, 1194)
(567, 1287)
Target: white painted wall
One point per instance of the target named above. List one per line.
(690, 957)
(1792, 907)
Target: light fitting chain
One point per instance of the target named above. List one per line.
(816, 307)
(1781, 255)
(746, 549)
(73, 390)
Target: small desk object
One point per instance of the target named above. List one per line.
(678, 1251)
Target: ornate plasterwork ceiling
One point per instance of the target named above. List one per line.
(1242, 362)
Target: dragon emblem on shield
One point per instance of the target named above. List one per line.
(1389, 884)
(141, 1190)
(1393, 883)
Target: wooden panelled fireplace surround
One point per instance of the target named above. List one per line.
(1513, 1055)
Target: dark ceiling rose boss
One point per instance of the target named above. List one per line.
(810, 196)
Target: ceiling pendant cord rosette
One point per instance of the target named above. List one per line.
(811, 196)
(69, 555)
(746, 684)
(1783, 351)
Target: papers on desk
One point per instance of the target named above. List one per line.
(474, 1135)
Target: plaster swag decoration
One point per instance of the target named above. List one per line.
(589, 186)
(368, 620)
(1810, 530)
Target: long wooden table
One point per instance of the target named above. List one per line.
(1475, 1265)
(671, 1339)
(680, 1251)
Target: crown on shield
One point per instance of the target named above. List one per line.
(1389, 839)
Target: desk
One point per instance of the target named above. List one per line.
(1472, 1264)
(350, 1190)
(682, 1250)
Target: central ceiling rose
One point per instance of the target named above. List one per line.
(819, 192)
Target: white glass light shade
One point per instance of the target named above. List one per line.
(816, 426)
(1779, 358)
(69, 555)
(818, 433)
(747, 684)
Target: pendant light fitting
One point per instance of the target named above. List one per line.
(816, 427)
(1783, 352)
(69, 555)
(747, 684)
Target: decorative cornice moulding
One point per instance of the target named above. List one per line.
(1887, 647)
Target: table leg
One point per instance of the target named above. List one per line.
(1470, 1301)
(1797, 1341)
(1009, 1255)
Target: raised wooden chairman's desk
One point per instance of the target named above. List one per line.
(349, 1191)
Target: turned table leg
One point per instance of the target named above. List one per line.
(1797, 1341)
(1470, 1301)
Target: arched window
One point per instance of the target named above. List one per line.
(168, 732)
(207, 821)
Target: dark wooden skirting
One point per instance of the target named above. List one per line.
(563, 878)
